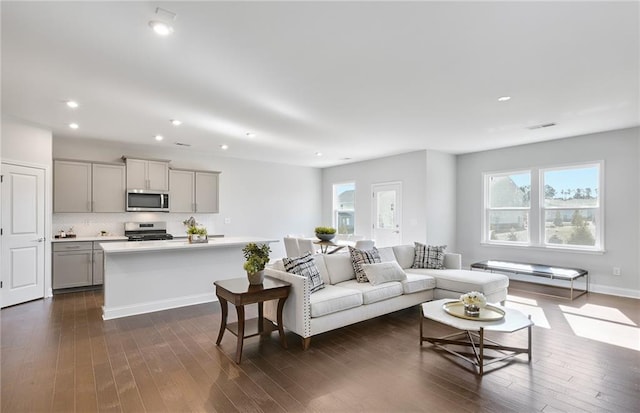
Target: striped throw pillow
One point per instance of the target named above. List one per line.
(363, 257)
(305, 266)
(428, 256)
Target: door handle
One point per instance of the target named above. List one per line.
(38, 240)
(396, 232)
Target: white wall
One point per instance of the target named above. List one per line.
(30, 145)
(419, 172)
(620, 152)
(258, 198)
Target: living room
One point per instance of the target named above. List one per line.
(284, 184)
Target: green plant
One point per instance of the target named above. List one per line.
(257, 256)
(325, 230)
(193, 230)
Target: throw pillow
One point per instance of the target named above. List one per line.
(384, 272)
(363, 257)
(305, 266)
(431, 256)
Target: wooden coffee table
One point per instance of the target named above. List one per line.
(239, 292)
(473, 334)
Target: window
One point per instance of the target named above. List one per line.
(571, 206)
(344, 207)
(508, 207)
(556, 207)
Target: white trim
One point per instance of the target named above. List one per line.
(150, 307)
(608, 290)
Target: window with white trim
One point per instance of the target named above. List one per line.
(552, 207)
(344, 207)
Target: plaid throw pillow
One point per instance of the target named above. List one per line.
(431, 256)
(363, 257)
(305, 266)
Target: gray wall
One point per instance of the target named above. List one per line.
(256, 198)
(620, 152)
(428, 192)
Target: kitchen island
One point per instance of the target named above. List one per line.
(146, 276)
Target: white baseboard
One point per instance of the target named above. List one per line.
(150, 307)
(620, 292)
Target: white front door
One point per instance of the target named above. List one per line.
(387, 214)
(23, 245)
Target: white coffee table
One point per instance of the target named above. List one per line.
(473, 334)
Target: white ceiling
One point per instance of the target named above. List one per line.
(351, 80)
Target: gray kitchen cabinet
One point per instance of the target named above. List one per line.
(72, 264)
(71, 186)
(193, 191)
(88, 187)
(108, 187)
(98, 266)
(147, 174)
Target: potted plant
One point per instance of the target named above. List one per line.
(257, 257)
(196, 234)
(325, 233)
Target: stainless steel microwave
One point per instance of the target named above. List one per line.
(145, 200)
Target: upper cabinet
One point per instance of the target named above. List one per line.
(193, 191)
(88, 187)
(147, 174)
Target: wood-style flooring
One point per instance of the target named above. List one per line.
(59, 355)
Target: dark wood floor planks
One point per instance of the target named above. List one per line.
(59, 355)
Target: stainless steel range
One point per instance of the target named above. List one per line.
(146, 231)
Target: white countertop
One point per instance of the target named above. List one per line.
(95, 238)
(178, 244)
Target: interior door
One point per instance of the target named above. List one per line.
(387, 214)
(23, 245)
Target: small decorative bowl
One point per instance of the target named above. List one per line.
(325, 237)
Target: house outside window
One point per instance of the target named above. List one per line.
(554, 207)
(344, 207)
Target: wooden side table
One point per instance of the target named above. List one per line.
(239, 292)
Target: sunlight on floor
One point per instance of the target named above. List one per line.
(605, 331)
(529, 307)
(599, 312)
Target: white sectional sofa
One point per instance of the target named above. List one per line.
(345, 301)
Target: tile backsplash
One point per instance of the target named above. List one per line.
(90, 224)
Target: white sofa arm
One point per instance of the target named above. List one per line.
(452, 261)
(296, 313)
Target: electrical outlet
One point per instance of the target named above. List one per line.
(227, 220)
(616, 270)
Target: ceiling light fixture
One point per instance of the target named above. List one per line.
(176, 122)
(72, 104)
(159, 137)
(504, 98)
(74, 126)
(251, 135)
(224, 147)
(161, 27)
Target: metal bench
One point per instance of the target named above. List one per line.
(539, 270)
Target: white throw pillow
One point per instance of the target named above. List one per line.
(383, 272)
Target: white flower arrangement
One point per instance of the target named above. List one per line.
(474, 298)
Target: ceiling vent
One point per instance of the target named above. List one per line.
(183, 144)
(543, 125)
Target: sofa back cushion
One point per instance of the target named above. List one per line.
(404, 255)
(338, 267)
(386, 254)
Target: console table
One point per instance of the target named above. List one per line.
(538, 270)
(239, 292)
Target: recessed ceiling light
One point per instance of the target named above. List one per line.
(176, 122)
(161, 28)
(72, 104)
(159, 137)
(251, 135)
(318, 153)
(224, 147)
(504, 98)
(74, 126)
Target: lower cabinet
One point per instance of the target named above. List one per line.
(77, 264)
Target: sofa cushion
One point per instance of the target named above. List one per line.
(339, 267)
(383, 272)
(305, 265)
(463, 281)
(363, 257)
(418, 282)
(404, 255)
(332, 299)
(386, 254)
(428, 256)
(373, 293)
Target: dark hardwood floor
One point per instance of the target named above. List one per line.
(58, 355)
